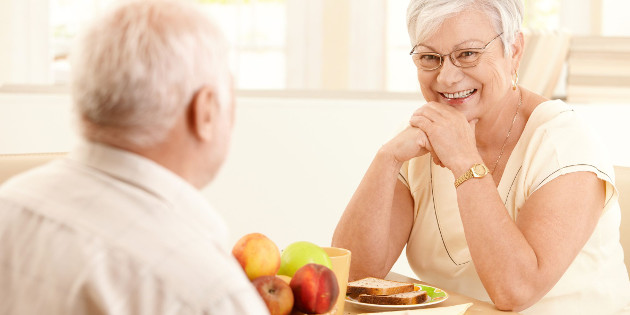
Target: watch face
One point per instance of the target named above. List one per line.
(480, 170)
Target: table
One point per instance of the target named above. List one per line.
(478, 307)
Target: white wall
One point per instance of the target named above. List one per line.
(294, 163)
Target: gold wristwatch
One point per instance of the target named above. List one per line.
(476, 171)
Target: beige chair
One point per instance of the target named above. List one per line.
(544, 57)
(598, 69)
(12, 164)
(622, 181)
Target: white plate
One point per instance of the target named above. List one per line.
(435, 296)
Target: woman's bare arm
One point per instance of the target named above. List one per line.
(519, 262)
(377, 221)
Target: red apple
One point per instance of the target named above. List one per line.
(315, 289)
(258, 255)
(276, 293)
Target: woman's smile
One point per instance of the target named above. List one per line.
(457, 97)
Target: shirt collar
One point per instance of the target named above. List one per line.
(135, 169)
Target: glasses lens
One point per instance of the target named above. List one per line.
(466, 57)
(428, 61)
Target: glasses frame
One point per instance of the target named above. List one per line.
(450, 55)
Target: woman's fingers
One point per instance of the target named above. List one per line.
(421, 122)
(437, 160)
(473, 124)
(447, 131)
(423, 140)
(436, 111)
(409, 143)
(430, 111)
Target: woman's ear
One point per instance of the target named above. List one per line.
(517, 50)
(204, 110)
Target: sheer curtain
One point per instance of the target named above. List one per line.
(25, 48)
(358, 45)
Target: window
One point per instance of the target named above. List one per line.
(278, 44)
(255, 28)
(542, 14)
(401, 72)
(66, 19)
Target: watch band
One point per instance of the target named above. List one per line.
(476, 171)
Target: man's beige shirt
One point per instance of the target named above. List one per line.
(105, 231)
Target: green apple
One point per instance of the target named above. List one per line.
(299, 254)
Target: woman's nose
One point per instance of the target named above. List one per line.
(449, 73)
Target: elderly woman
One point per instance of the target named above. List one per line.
(497, 192)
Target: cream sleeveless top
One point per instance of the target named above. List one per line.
(553, 143)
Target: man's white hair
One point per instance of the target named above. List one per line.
(136, 69)
(424, 17)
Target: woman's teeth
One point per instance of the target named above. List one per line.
(461, 94)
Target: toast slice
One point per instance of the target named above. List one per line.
(376, 286)
(407, 298)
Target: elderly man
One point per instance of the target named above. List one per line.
(119, 227)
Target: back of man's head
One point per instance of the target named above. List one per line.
(137, 67)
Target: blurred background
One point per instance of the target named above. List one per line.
(321, 85)
(335, 45)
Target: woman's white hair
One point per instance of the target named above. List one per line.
(136, 69)
(424, 17)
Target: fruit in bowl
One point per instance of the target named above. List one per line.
(276, 294)
(315, 289)
(299, 254)
(257, 254)
(286, 279)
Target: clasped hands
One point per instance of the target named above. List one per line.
(440, 130)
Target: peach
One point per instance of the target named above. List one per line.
(257, 254)
(315, 289)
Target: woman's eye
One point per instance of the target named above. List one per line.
(428, 57)
(467, 54)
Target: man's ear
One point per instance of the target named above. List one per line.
(517, 50)
(204, 110)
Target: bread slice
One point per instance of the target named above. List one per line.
(407, 298)
(376, 286)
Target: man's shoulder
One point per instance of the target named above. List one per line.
(190, 270)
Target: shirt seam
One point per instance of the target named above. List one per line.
(438, 220)
(540, 184)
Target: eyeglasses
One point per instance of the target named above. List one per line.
(464, 58)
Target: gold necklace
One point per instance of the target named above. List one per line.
(520, 101)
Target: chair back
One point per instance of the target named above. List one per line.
(622, 181)
(12, 164)
(544, 58)
(598, 70)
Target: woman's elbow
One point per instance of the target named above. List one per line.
(514, 298)
(510, 306)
